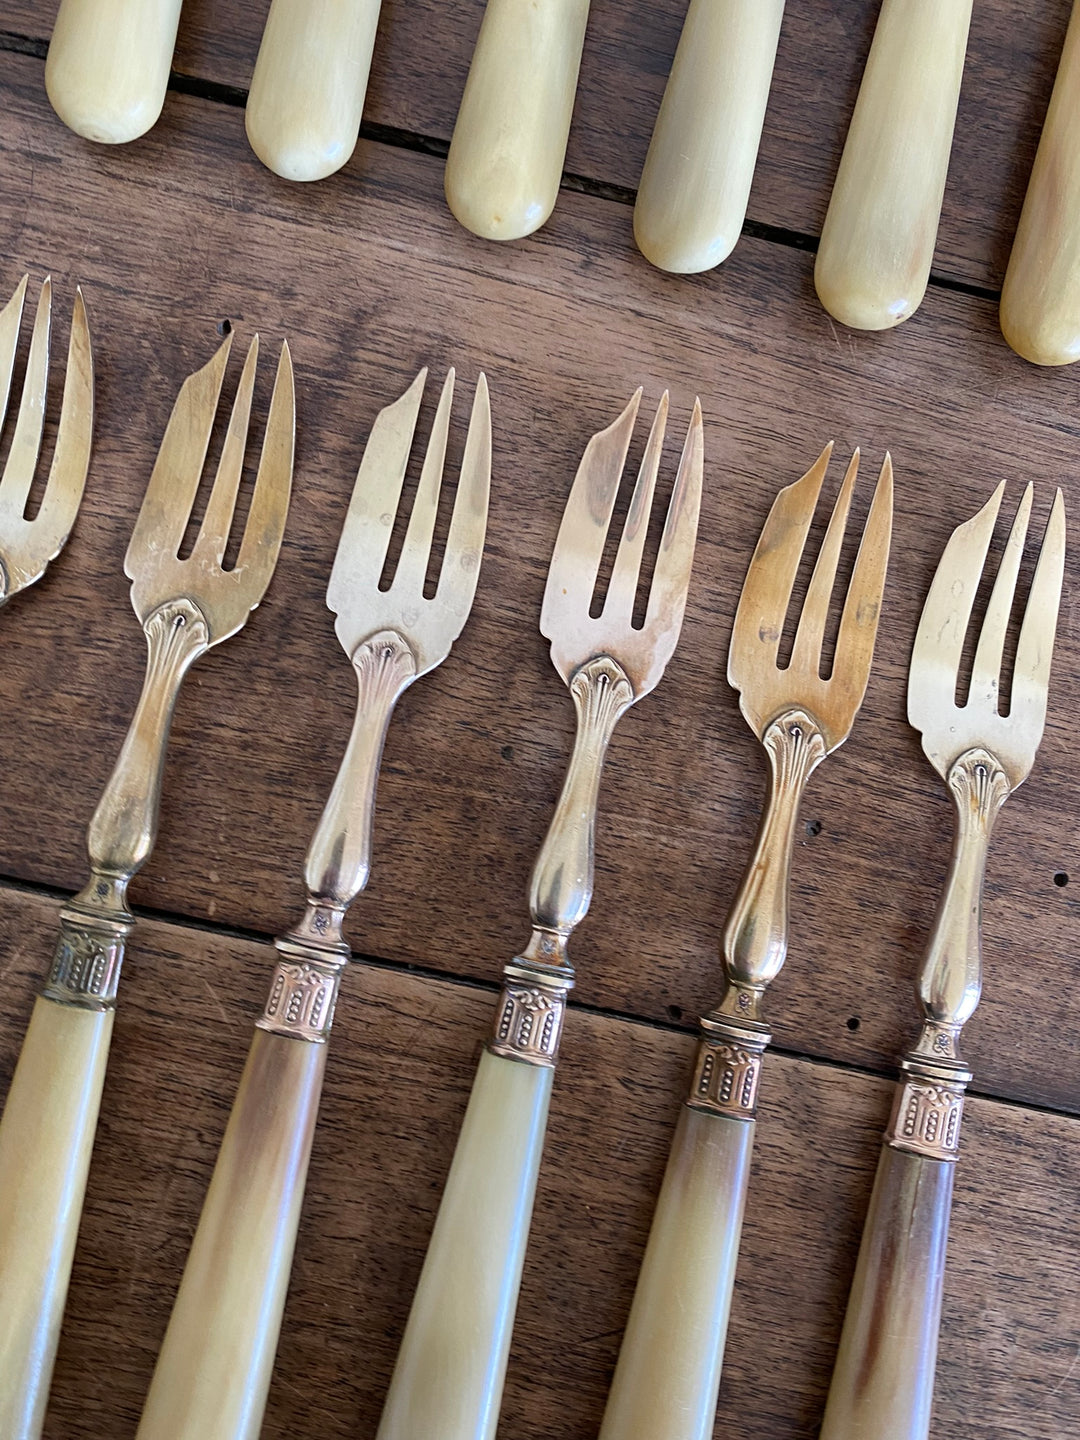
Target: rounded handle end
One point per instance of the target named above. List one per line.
(496, 206)
(863, 302)
(108, 115)
(680, 245)
(297, 152)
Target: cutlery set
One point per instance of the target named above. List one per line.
(214, 1368)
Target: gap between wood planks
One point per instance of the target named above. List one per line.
(180, 921)
(430, 145)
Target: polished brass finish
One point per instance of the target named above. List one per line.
(529, 1018)
(980, 753)
(607, 664)
(392, 637)
(186, 607)
(798, 716)
(27, 546)
(882, 1388)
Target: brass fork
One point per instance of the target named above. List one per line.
(185, 607)
(447, 1384)
(668, 1374)
(27, 546)
(883, 1384)
(214, 1368)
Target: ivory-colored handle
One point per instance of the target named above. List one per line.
(509, 143)
(213, 1373)
(883, 1383)
(46, 1136)
(695, 186)
(1040, 302)
(308, 87)
(448, 1380)
(878, 241)
(668, 1375)
(108, 65)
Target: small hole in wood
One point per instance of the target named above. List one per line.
(813, 827)
(854, 1023)
(1061, 879)
(507, 752)
(675, 1011)
(224, 327)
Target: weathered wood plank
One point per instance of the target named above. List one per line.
(369, 283)
(424, 48)
(402, 1058)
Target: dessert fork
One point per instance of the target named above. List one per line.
(27, 546)
(883, 1384)
(447, 1384)
(214, 1368)
(668, 1374)
(185, 607)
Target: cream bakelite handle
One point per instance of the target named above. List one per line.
(878, 240)
(509, 143)
(668, 1375)
(448, 1380)
(883, 1382)
(46, 1136)
(1040, 302)
(695, 186)
(308, 87)
(108, 65)
(213, 1373)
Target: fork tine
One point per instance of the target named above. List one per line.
(627, 570)
(1034, 651)
(214, 532)
(71, 456)
(416, 551)
(579, 545)
(806, 651)
(671, 576)
(862, 607)
(373, 506)
(174, 481)
(273, 484)
(939, 640)
(10, 325)
(770, 578)
(26, 442)
(986, 671)
(468, 524)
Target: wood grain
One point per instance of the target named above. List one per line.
(371, 280)
(399, 1069)
(424, 46)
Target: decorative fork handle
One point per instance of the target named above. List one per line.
(667, 1378)
(509, 142)
(48, 1123)
(448, 1380)
(883, 1382)
(213, 1372)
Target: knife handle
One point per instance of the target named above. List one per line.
(668, 1374)
(883, 1382)
(46, 1136)
(108, 65)
(1040, 301)
(509, 142)
(213, 1372)
(308, 88)
(877, 244)
(447, 1383)
(695, 186)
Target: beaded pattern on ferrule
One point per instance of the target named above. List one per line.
(85, 969)
(301, 1003)
(528, 1023)
(926, 1119)
(726, 1079)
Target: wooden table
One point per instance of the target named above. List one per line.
(369, 277)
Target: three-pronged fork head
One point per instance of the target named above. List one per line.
(225, 597)
(565, 620)
(948, 729)
(765, 689)
(27, 546)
